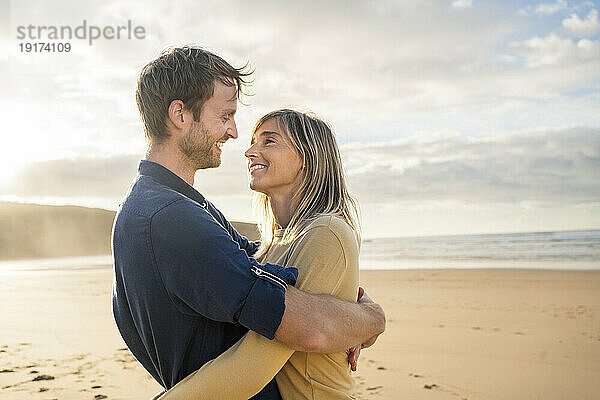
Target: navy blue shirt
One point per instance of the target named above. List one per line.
(185, 287)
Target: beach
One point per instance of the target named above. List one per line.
(451, 334)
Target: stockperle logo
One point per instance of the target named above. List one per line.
(85, 31)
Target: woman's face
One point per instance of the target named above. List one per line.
(274, 165)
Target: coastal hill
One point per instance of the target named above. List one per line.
(39, 231)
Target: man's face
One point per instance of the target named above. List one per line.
(202, 142)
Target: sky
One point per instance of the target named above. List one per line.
(452, 117)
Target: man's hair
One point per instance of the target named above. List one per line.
(182, 73)
(323, 189)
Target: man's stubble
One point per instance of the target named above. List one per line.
(197, 147)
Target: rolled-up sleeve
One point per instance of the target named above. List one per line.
(271, 284)
(205, 272)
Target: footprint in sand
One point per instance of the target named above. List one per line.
(43, 378)
(124, 357)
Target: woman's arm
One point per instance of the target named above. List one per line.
(245, 368)
(238, 373)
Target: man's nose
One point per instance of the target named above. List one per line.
(232, 130)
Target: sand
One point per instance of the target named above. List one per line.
(451, 334)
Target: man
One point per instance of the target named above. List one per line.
(185, 286)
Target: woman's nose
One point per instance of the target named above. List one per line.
(251, 152)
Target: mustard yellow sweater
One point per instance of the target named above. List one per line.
(326, 255)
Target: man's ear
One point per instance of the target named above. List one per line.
(177, 114)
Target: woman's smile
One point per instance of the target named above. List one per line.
(252, 167)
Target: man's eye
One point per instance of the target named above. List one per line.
(269, 141)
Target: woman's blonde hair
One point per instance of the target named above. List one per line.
(323, 189)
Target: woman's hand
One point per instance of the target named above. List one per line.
(353, 357)
(354, 352)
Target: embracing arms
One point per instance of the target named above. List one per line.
(205, 272)
(325, 324)
(246, 367)
(311, 322)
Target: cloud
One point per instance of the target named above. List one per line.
(548, 167)
(554, 50)
(370, 66)
(583, 27)
(544, 8)
(98, 177)
(462, 3)
(551, 8)
(552, 167)
(109, 177)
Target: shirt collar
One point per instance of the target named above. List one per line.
(165, 177)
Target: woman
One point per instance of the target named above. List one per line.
(307, 220)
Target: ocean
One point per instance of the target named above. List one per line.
(571, 250)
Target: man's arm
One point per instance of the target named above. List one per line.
(326, 324)
(318, 322)
(205, 272)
